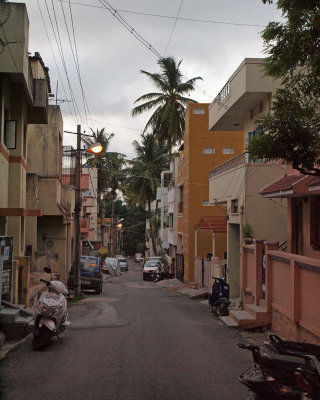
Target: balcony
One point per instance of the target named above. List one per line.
(40, 102)
(233, 163)
(247, 87)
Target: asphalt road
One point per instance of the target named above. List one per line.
(135, 341)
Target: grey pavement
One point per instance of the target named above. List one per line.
(137, 340)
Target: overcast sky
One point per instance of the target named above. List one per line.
(110, 57)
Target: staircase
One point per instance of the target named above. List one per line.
(16, 321)
(252, 316)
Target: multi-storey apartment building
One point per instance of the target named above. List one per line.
(245, 98)
(24, 87)
(202, 151)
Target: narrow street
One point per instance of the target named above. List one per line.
(134, 341)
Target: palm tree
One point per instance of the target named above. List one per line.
(100, 162)
(144, 174)
(167, 121)
(115, 175)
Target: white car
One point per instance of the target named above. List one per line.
(149, 267)
(123, 263)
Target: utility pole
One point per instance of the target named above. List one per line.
(77, 281)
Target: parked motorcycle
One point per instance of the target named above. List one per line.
(50, 313)
(272, 375)
(219, 296)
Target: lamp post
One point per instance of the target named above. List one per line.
(96, 148)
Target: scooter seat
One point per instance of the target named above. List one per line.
(274, 360)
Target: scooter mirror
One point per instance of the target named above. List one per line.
(48, 270)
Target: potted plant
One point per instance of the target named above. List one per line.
(247, 233)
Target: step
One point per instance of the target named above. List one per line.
(229, 321)
(243, 318)
(24, 320)
(8, 315)
(259, 313)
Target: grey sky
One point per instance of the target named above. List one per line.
(110, 57)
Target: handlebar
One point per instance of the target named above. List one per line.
(275, 338)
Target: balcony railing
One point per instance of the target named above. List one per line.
(224, 93)
(235, 162)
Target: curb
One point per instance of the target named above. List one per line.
(10, 346)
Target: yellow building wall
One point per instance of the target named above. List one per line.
(193, 174)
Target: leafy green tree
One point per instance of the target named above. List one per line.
(144, 174)
(291, 131)
(169, 103)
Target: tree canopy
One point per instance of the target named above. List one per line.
(169, 102)
(291, 131)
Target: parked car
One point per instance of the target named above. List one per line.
(123, 263)
(149, 267)
(138, 257)
(111, 266)
(90, 274)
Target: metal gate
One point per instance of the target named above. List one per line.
(179, 266)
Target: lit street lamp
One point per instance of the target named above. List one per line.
(96, 148)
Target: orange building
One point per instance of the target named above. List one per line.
(203, 150)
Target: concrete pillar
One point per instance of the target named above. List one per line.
(213, 244)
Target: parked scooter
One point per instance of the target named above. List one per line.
(50, 313)
(219, 296)
(272, 376)
(157, 274)
(308, 378)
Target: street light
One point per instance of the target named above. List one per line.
(95, 148)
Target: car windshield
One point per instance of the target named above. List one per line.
(89, 263)
(122, 260)
(150, 263)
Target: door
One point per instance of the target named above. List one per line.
(297, 229)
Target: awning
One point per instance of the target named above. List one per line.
(314, 185)
(217, 224)
(288, 186)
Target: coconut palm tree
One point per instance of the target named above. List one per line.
(167, 121)
(115, 176)
(100, 162)
(144, 174)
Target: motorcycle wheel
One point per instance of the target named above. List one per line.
(41, 337)
(222, 309)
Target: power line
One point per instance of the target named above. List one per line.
(174, 25)
(55, 61)
(172, 17)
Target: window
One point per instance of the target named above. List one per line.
(205, 203)
(198, 111)
(10, 134)
(228, 150)
(165, 217)
(234, 206)
(171, 220)
(208, 150)
(180, 205)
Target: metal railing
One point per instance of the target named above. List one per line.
(235, 162)
(224, 93)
